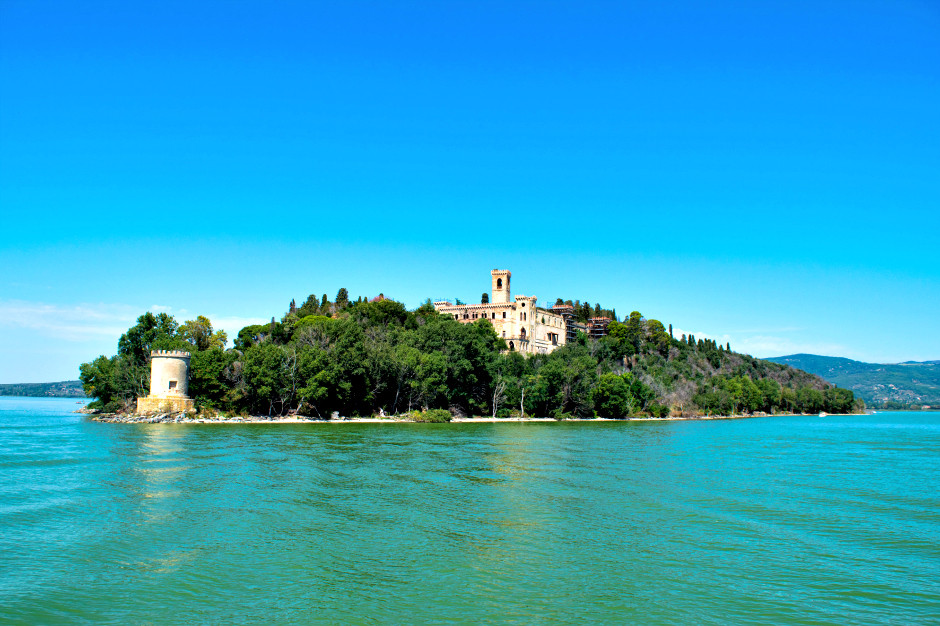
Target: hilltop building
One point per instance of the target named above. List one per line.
(597, 327)
(169, 383)
(517, 319)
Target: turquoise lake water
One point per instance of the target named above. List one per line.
(796, 520)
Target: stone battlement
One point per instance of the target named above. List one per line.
(179, 354)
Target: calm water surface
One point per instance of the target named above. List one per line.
(801, 520)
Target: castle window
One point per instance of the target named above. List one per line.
(512, 346)
(504, 314)
(172, 384)
(494, 315)
(499, 283)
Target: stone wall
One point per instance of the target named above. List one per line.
(151, 404)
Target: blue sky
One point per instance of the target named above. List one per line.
(764, 173)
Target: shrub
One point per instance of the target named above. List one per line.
(431, 416)
(658, 410)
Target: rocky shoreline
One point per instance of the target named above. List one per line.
(191, 418)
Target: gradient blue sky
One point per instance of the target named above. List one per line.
(764, 173)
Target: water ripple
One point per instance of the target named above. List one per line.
(782, 520)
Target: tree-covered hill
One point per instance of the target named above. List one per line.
(365, 357)
(891, 385)
(64, 389)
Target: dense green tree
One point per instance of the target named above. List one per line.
(152, 332)
(612, 398)
(210, 377)
(342, 299)
(269, 378)
(200, 334)
(114, 382)
(311, 306)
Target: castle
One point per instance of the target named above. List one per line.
(525, 327)
(169, 383)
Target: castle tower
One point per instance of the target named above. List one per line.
(500, 286)
(169, 383)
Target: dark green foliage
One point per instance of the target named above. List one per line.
(114, 382)
(342, 299)
(620, 396)
(152, 332)
(210, 377)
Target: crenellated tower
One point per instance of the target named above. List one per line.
(169, 383)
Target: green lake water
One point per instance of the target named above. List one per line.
(795, 520)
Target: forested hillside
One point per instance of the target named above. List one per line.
(879, 385)
(360, 358)
(64, 389)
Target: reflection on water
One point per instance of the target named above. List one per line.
(791, 520)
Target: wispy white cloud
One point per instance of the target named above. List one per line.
(79, 322)
(91, 322)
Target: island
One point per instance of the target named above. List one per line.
(504, 359)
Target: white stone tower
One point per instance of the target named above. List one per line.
(169, 383)
(500, 286)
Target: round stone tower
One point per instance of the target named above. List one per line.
(500, 286)
(169, 383)
(169, 373)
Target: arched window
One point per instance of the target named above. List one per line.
(512, 346)
(522, 334)
(499, 283)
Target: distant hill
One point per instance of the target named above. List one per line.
(64, 389)
(911, 382)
